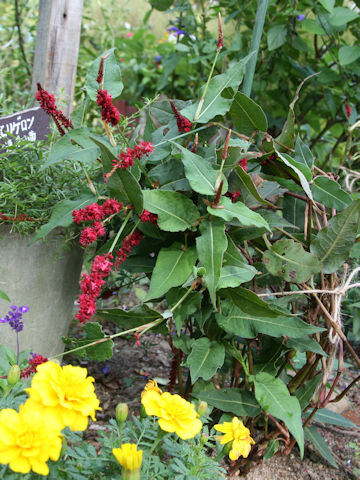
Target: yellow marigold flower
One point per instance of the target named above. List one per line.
(238, 434)
(175, 413)
(27, 440)
(66, 394)
(151, 385)
(130, 459)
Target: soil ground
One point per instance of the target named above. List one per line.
(123, 377)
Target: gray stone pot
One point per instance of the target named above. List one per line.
(45, 277)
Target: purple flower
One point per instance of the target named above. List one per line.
(158, 58)
(301, 17)
(105, 369)
(14, 317)
(176, 30)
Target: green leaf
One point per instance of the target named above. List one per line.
(303, 153)
(348, 54)
(176, 212)
(288, 260)
(173, 267)
(61, 216)
(294, 212)
(313, 436)
(214, 103)
(328, 5)
(234, 320)
(238, 402)
(75, 145)
(127, 183)
(205, 359)
(271, 449)
(3, 296)
(112, 76)
(275, 399)
(247, 115)
(248, 184)
(231, 276)
(305, 344)
(276, 36)
(99, 352)
(332, 244)
(301, 171)
(161, 5)
(190, 305)
(200, 173)
(311, 26)
(233, 256)
(329, 193)
(211, 246)
(250, 303)
(170, 175)
(139, 264)
(228, 210)
(135, 317)
(305, 393)
(325, 415)
(342, 16)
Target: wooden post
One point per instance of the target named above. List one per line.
(57, 48)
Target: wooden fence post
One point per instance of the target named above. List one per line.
(57, 47)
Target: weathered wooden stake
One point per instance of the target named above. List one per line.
(57, 47)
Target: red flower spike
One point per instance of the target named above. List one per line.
(146, 216)
(109, 113)
(183, 124)
(348, 109)
(33, 362)
(234, 196)
(126, 159)
(91, 286)
(243, 163)
(100, 76)
(47, 103)
(220, 43)
(128, 244)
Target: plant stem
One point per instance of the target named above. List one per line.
(120, 230)
(254, 46)
(201, 101)
(109, 134)
(139, 164)
(143, 328)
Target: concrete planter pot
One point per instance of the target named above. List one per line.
(45, 277)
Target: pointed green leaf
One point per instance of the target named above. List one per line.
(161, 5)
(99, 352)
(329, 193)
(276, 36)
(247, 115)
(238, 402)
(324, 415)
(332, 244)
(170, 175)
(288, 260)
(275, 399)
(214, 103)
(348, 54)
(61, 216)
(233, 256)
(211, 246)
(135, 317)
(205, 359)
(341, 16)
(328, 5)
(303, 153)
(305, 393)
(234, 320)
(305, 344)
(112, 76)
(75, 145)
(127, 183)
(200, 173)
(271, 449)
(233, 276)
(228, 210)
(4, 296)
(173, 267)
(301, 171)
(248, 184)
(313, 436)
(176, 212)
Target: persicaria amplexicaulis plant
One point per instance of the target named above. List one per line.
(252, 292)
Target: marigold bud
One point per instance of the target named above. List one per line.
(13, 375)
(121, 413)
(202, 407)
